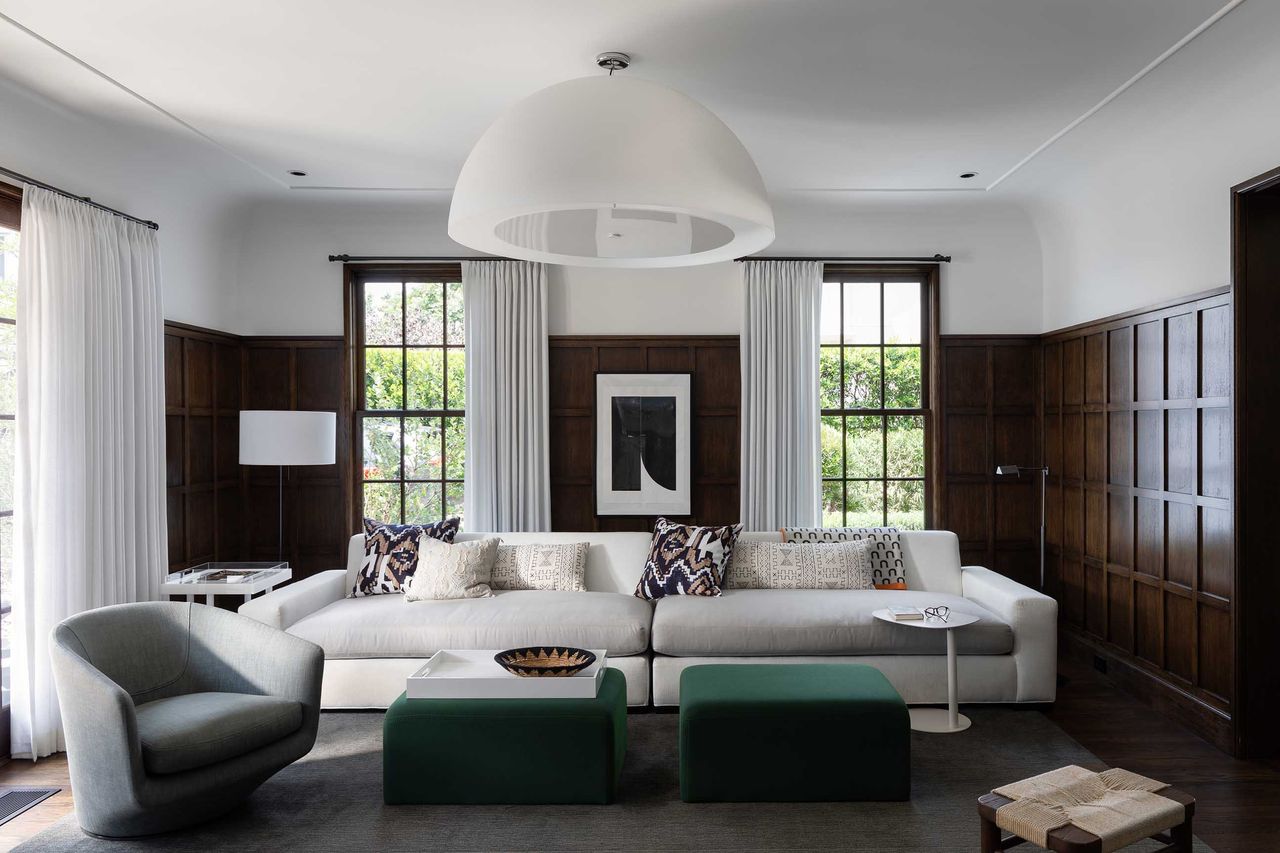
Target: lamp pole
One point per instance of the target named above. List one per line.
(1043, 471)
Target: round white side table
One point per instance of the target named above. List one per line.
(937, 720)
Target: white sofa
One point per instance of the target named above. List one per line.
(373, 643)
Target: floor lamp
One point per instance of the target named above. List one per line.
(287, 438)
(1016, 471)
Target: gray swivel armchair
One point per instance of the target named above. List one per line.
(175, 712)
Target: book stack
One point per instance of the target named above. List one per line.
(906, 614)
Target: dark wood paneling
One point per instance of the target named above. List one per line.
(219, 510)
(716, 389)
(989, 416)
(1155, 477)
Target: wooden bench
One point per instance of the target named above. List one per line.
(1072, 839)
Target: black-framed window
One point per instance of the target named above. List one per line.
(409, 343)
(874, 397)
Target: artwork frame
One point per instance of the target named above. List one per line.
(643, 443)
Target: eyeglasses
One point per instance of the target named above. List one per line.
(940, 612)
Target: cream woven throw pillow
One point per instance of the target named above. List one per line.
(799, 565)
(561, 567)
(461, 570)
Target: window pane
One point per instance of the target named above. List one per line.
(8, 369)
(829, 377)
(456, 327)
(425, 374)
(456, 365)
(864, 446)
(861, 312)
(423, 449)
(382, 502)
(906, 504)
(6, 465)
(381, 449)
(862, 377)
(830, 434)
(424, 317)
(382, 313)
(422, 502)
(829, 318)
(906, 446)
(6, 620)
(383, 381)
(866, 503)
(453, 500)
(8, 275)
(902, 377)
(455, 448)
(833, 504)
(902, 312)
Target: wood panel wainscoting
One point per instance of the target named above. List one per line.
(220, 510)
(990, 415)
(716, 393)
(1138, 440)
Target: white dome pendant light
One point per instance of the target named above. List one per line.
(611, 172)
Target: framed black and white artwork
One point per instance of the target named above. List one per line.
(642, 444)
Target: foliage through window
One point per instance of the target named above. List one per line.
(412, 395)
(874, 419)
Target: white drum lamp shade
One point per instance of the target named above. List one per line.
(611, 172)
(287, 438)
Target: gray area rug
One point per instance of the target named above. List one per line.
(332, 801)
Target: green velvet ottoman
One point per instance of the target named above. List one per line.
(506, 750)
(792, 733)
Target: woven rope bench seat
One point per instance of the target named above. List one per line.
(1074, 810)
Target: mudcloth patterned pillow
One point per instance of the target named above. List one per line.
(686, 560)
(799, 565)
(884, 549)
(561, 567)
(391, 554)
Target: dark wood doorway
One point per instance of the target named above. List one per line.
(1255, 232)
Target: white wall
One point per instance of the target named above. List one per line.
(288, 287)
(194, 191)
(1133, 206)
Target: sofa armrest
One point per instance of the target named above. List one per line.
(282, 607)
(1033, 616)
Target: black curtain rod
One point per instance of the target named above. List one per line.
(18, 176)
(349, 259)
(936, 259)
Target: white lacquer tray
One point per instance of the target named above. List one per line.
(474, 674)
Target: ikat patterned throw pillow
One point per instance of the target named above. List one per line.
(799, 565)
(686, 560)
(884, 549)
(391, 554)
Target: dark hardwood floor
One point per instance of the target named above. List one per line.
(1237, 802)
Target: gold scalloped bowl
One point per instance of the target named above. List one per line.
(545, 661)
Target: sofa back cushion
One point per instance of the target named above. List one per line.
(615, 560)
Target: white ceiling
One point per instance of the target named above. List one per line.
(826, 94)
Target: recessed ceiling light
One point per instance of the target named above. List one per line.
(297, 173)
(967, 175)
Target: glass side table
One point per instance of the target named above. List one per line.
(236, 578)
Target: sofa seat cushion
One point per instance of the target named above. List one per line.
(764, 622)
(387, 626)
(197, 729)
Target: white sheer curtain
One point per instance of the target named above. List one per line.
(780, 443)
(507, 472)
(90, 510)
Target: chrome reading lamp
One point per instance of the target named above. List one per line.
(1043, 471)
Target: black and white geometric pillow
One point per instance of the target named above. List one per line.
(559, 567)
(799, 565)
(686, 560)
(391, 554)
(884, 549)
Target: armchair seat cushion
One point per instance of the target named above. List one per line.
(197, 729)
